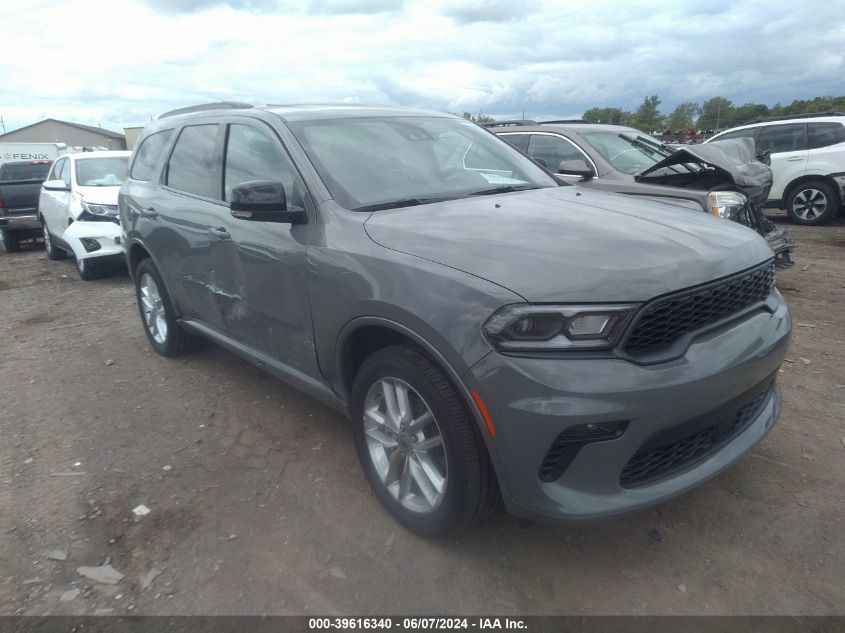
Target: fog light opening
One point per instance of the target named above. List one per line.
(90, 244)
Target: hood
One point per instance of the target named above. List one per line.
(99, 195)
(567, 244)
(733, 158)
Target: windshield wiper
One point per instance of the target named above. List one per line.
(395, 204)
(502, 189)
(654, 148)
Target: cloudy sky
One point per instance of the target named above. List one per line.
(120, 62)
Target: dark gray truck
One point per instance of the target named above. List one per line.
(20, 186)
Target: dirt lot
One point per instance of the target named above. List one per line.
(258, 505)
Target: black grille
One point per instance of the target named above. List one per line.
(651, 464)
(665, 320)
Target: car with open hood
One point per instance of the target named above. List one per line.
(725, 179)
(490, 332)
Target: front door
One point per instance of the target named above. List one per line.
(788, 146)
(262, 269)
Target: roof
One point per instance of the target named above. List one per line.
(89, 128)
(304, 111)
(81, 155)
(571, 128)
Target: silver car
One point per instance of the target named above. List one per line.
(490, 333)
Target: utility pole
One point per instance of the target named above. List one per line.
(3, 123)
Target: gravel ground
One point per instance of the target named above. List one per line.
(258, 506)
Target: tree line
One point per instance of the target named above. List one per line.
(717, 113)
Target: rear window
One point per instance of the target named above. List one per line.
(148, 153)
(24, 171)
(824, 134)
(191, 165)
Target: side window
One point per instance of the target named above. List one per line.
(824, 134)
(148, 154)
(552, 150)
(251, 155)
(749, 132)
(782, 138)
(519, 141)
(191, 165)
(64, 171)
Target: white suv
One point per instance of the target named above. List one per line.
(808, 162)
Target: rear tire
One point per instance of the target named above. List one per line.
(812, 203)
(53, 253)
(158, 315)
(431, 471)
(10, 241)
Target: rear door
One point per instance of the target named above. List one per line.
(261, 267)
(52, 203)
(180, 234)
(787, 144)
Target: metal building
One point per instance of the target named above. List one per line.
(72, 134)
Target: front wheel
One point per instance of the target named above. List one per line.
(418, 446)
(157, 314)
(89, 269)
(53, 253)
(811, 203)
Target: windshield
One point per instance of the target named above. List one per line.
(384, 162)
(25, 171)
(633, 152)
(108, 171)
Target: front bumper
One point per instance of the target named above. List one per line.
(94, 240)
(20, 222)
(532, 400)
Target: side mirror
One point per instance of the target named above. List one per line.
(264, 201)
(577, 167)
(56, 185)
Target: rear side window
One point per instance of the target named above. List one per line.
(782, 138)
(191, 165)
(825, 134)
(148, 154)
(519, 141)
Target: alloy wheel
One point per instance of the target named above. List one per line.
(152, 307)
(405, 445)
(809, 204)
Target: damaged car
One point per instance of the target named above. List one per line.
(724, 179)
(77, 209)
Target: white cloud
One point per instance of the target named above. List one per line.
(119, 63)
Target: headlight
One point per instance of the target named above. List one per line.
(95, 212)
(726, 204)
(564, 327)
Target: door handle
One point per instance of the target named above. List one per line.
(794, 159)
(220, 233)
(149, 212)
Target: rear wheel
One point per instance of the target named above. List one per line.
(158, 316)
(10, 241)
(53, 252)
(811, 203)
(417, 444)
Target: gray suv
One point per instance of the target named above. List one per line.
(490, 333)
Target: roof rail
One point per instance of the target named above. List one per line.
(217, 105)
(806, 115)
(509, 122)
(564, 121)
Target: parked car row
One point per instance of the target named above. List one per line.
(491, 331)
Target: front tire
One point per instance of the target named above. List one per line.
(89, 270)
(10, 241)
(157, 314)
(811, 203)
(53, 253)
(420, 449)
